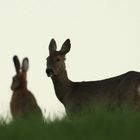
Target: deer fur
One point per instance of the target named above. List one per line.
(23, 103)
(73, 95)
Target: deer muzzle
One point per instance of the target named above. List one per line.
(50, 72)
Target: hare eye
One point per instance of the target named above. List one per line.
(57, 59)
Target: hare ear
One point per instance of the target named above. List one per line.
(25, 64)
(52, 46)
(66, 47)
(16, 63)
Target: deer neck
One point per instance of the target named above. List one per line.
(62, 86)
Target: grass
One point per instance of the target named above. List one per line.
(101, 124)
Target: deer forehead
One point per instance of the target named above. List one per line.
(56, 56)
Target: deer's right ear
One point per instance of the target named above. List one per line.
(52, 46)
(16, 63)
(66, 47)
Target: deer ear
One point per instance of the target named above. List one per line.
(52, 46)
(16, 63)
(66, 47)
(25, 64)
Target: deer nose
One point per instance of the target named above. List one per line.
(49, 72)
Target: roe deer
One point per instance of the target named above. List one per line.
(23, 103)
(74, 95)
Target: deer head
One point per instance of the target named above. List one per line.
(55, 61)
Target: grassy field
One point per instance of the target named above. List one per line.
(98, 125)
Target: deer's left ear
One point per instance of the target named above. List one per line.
(52, 46)
(66, 47)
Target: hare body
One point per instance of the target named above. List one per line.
(23, 103)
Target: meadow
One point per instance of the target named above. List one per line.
(101, 124)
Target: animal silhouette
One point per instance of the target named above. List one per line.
(23, 103)
(75, 95)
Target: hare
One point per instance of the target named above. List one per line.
(23, 103)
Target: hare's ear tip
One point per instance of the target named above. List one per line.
(15, 59)
(26, 58)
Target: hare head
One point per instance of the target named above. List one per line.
(19, 80)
